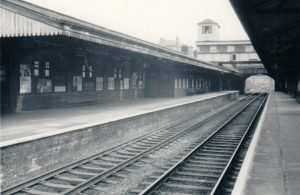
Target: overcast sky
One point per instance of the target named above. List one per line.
(152, 19)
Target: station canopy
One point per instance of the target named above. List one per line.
(23, 19)
(274, 28)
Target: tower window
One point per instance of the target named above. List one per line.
(206, 29)
(233, 57)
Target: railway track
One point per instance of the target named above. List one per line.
(205, 169)
(81, 175)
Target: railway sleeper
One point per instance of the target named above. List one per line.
(85, 175)
(38, 192)
(205, 166)
(213, 155)
(225, 152)
(58, 187)
(224, 146)
(210, 159)
(201, 170)
(217, 149)
(105, 164)
(192, 182)
(92, 169)
(110, 159)
(206, 162)
(196, 175)
(133, 150)
(170, 187)
(119, 156)
(71, 180)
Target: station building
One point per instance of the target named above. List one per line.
(52, 60)
(235, 54)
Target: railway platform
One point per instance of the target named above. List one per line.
(38, 141)
(272, 163)
(30, 125)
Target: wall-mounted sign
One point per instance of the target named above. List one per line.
(59, 84)
(133, 80)
(111, 83)
(77, 83)
(25, 78)
(44, 86)
(126, 83)
(140, 84)
(99, 83)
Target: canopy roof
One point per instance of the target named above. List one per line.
(274, 29)
(20, 19)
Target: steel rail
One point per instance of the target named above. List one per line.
(51, 174)
(79, 188)
(71, 165)
(217, 186)
(155, 185)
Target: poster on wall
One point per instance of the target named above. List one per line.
(133, 80)
(111, 83)
(77, 83)
(44, 86)
(25, 78)
(60, 85)
(140, 84)
(126, 83)
(121, 84)
(99, 83)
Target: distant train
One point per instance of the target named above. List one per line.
(259, 83)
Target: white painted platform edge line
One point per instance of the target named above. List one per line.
(84, 126)
(241, 180)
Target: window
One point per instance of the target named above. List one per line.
(204, 48)
(206, 29)
(47, 69)
(233, 57)
(91, 72)
(83, 71)
(249, 48)
(213, 49)
(222, 48)
(36, 68)
(230, 48)
(176, 84)
(240, 48)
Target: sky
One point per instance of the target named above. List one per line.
(151, 20)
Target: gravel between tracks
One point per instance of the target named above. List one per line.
(152, 164)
